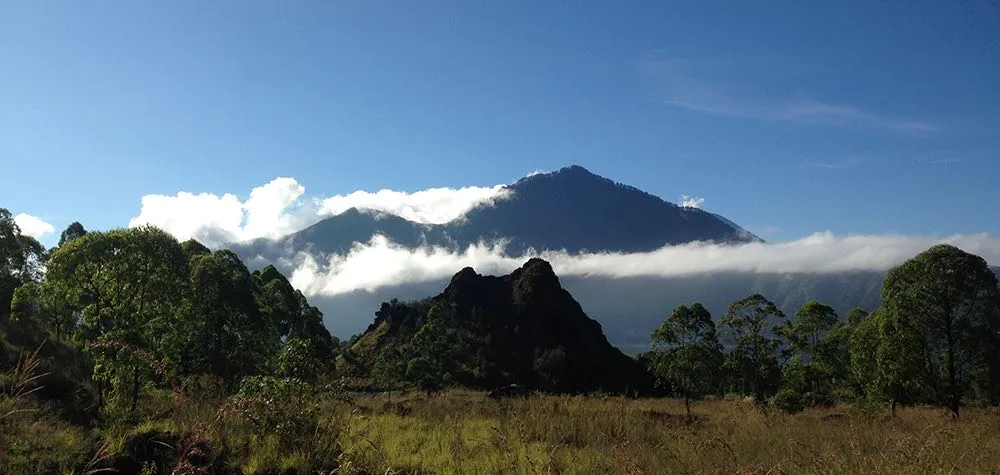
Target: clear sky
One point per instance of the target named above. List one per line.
(852, 117)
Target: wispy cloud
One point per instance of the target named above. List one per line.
(685, 84)
(33, 226)
(947, 160)
(380, 263)
(691, 201)
(833, 164)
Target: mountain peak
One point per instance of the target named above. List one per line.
(574, 169)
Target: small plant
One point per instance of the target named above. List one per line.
(17, 385)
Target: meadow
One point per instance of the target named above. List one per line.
(464, 432)
(201, 430)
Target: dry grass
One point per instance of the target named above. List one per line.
(32, 439)
(464, 432)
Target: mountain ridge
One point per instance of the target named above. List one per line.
(570, 209)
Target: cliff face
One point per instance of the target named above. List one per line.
(520, 328)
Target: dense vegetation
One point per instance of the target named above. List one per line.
(129, 350)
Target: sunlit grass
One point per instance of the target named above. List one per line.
(463, 432)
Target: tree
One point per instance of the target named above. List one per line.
(424, 374)
(550, 367)
(434, 352)
(864, 355)
(233, 338)
(127, 285)
(900, 358)
(30, 302)
(749, 326)
(686, 353)
(941, 302)
(290, 311)
(20, 259)
(194, 248)
(298, 359)
(389, 368)
(856, 316)
(810, 324)
(73, 231)
(818, 345)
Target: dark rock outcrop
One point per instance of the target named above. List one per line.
(523, 328)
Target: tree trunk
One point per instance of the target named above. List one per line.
(100, 393)
(892, 407)
(953, 390)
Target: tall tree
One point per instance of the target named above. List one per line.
(20, 259)
(947, 298)
(73, 231)
(750, 326)
(805, 332)
(818, 343)
(686, 354)
(856, 316)
(288, 308)
(233, 339)
(128, 285)
(31, 302)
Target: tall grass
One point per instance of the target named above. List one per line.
(201, 430)
(32, 438)
(463, 432)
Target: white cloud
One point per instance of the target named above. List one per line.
(430, 206)
(691, 201)
(279, 207)
(33, 226)
(214, 219)
(380, 263)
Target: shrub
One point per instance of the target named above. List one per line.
(285, 407)
(788, 401)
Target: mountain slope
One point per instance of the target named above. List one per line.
(571, 209)
(520, 328)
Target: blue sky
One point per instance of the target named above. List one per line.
(852, 117)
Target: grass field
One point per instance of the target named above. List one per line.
(464, 432)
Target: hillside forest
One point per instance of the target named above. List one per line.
(130, 351)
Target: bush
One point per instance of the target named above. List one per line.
(285, 407)
(788, 401)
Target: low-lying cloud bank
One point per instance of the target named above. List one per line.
(280, 207)
(381, 263)
(33, 226)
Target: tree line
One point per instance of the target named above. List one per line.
(934, 339)
(150, 311)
